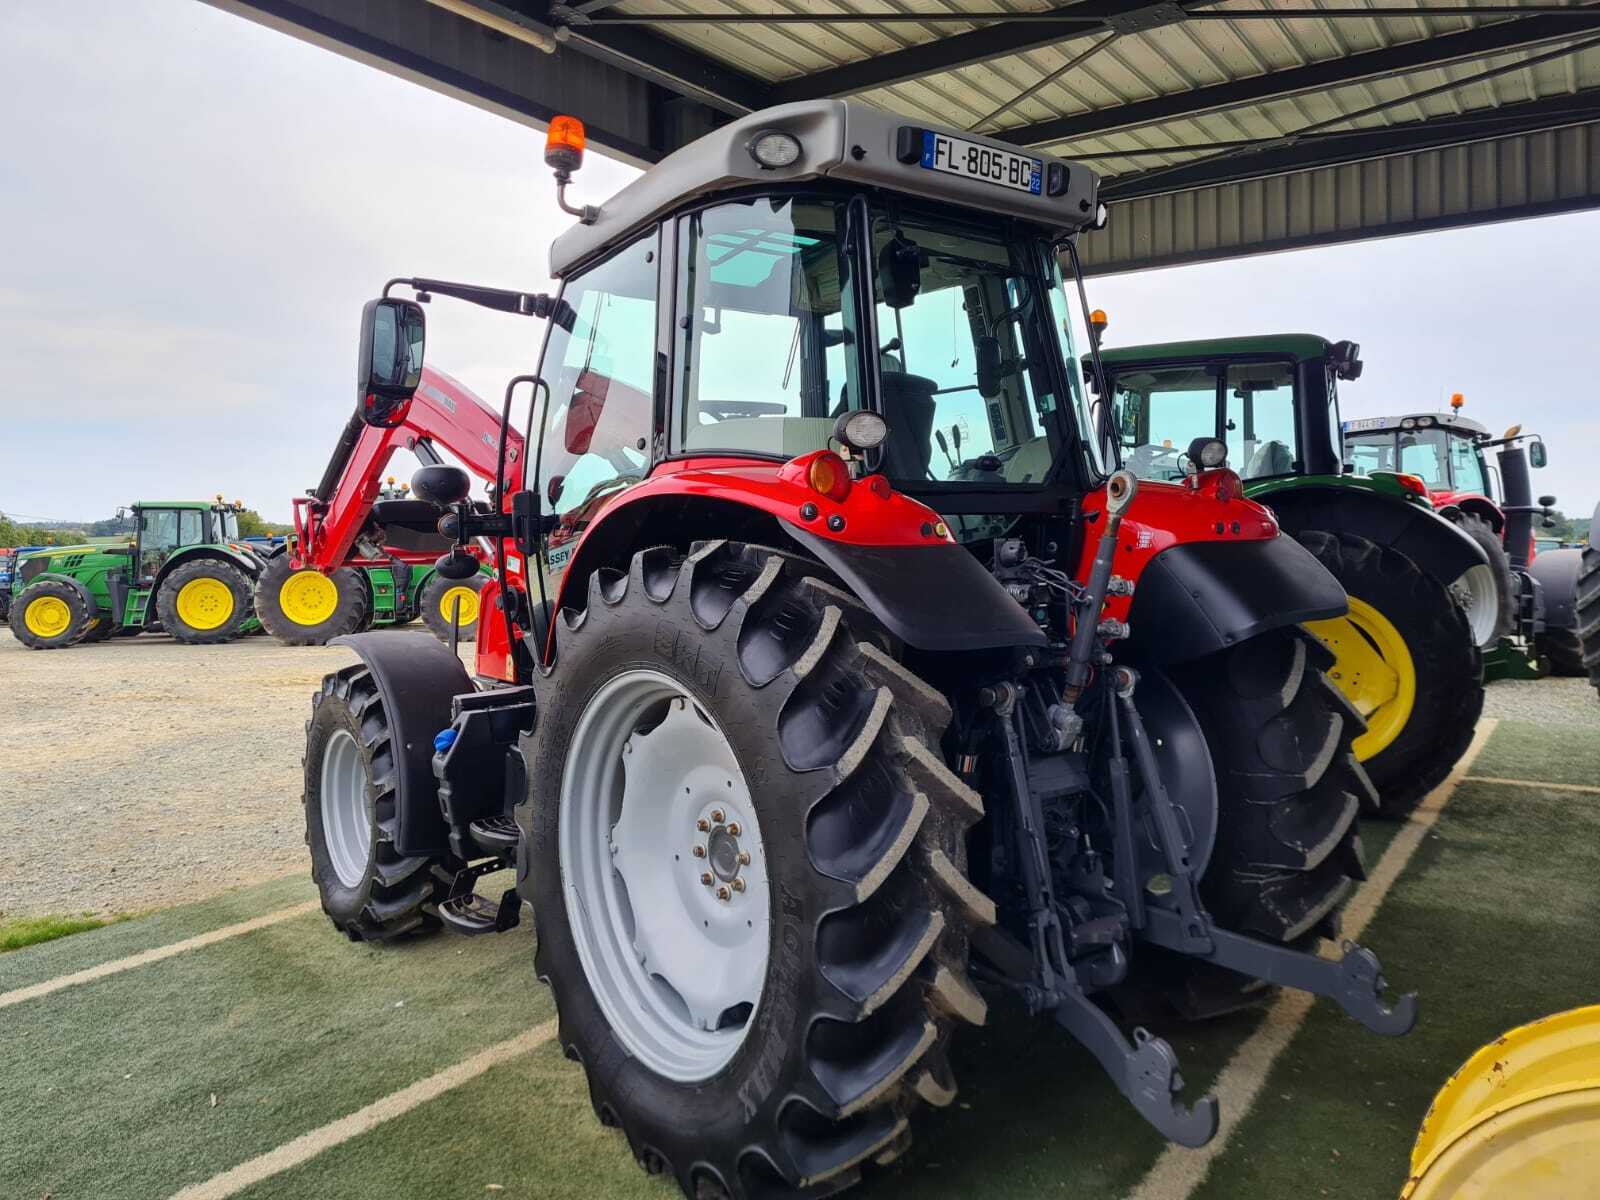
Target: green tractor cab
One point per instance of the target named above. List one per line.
(1421, 597)
(182, 569)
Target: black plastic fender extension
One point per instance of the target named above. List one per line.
(1437, 546)
(1197, 598)
(418, 679)
(936, 597)
(1556, 572)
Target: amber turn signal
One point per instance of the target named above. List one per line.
(829, 476)
(563, 144)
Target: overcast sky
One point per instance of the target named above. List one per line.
(193, 209)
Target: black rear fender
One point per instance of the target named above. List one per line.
(418, 679)
(1197, 598)
(1438, 547)
(1557, 574)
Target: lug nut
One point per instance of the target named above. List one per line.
(699, 851)
(706, 878)
(733, 828)
(703, 825)
(716, 815)
(744, 858)
(738, 885)
(722, 893)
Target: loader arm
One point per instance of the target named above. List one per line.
(442, 415)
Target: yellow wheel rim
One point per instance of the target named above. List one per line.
(205, 603)
(308, 597)
(1373, 668)
(47, 617)
(468, 600)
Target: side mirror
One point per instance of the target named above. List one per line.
(389, 366)
(457, 564)
(441, 485)
(1547, 501)
(986, 351)
(1537, 455)
(900, 271)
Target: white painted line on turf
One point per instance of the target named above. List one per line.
(308, 1145)
(1178, 1172)
(1585, 788)
(146, 957)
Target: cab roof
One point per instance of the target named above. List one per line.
(1302, 347)
(1450, 422)
(839, 139)
(202, 505)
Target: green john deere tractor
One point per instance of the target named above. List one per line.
(1421, 594)
(183, 570)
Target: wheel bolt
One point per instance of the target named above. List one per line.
(703, 825)
(706, 878)
(716, 815)
(744, 858)
(722, 893)
(733, 829)
(738, 885)
(699, 852)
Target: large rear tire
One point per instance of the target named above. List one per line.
(49, 615)
(1505, 583)
(307, 608)
(438, 599)
(204, 602)
(787, 721)
(1588, 604)
(1287, 851)
(369, 891)
(1405, 657)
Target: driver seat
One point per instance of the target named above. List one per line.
(908, 407)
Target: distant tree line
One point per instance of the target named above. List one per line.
(67, 533)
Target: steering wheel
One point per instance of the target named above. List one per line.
(721, 410)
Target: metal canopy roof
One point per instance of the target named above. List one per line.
(1186, 107)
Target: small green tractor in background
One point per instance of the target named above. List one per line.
(183, 570)
(1422, 601)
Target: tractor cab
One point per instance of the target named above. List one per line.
(1266, 406)
(162, 529)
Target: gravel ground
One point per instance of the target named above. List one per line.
(142, 773)
(1553, 701)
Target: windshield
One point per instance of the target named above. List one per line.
(967, 338)
(229, 522)
(1159, 411)
(1444, 461)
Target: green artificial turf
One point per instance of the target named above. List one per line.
(1543, 753)
(17, 932)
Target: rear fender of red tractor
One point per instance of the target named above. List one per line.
(1209, 569)
(1471, 504)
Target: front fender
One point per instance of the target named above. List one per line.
(1196, 598)
(91, 605)
(1437, 546)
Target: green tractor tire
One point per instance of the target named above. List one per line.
(100, 629)
(1406, 660)
(50, 615)
(304, 607)
(439, 599)
(205, 602)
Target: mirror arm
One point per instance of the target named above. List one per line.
(523, 304)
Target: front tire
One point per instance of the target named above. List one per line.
(438, 601)
(829, 749)
(1505, 583)
(304, 607)
(1405, 657)
(204, 602)
(369, 891)
(49, 615)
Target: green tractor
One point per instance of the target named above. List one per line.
(183, 570)
(1422, 598)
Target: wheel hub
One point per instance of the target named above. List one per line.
(346, 820)
(47, 617)
(665, 872)
(308, 597)
(205, 603)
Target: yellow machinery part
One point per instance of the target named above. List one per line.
(47, 616)
(205, 603)
(1520, 1119)
(308, 597)
(1374, 670)
(466, 597)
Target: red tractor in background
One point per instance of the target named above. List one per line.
(1448, 453)
(807, 742)
(364, 554)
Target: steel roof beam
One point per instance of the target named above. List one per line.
(1554, 112)
(1048, 28)
(1478, 42)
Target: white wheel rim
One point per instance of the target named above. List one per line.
(1479, 598)
(676, 965)
(346, 822)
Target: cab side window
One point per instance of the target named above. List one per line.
(1260, 427)
(190, 530)
(600, 364)
(158, 537)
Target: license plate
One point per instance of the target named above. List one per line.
(1003, 168)
(1366, 423)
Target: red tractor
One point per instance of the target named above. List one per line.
(833, 683)
(362, 553)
